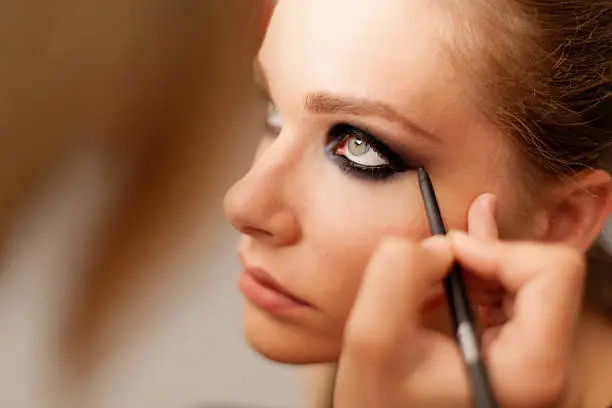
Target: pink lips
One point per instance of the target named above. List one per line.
(264, 292)
(267, 294)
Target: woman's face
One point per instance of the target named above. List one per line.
(361, 93)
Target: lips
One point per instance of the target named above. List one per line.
(264, 292)
(265, 280)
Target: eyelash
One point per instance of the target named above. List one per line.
(339, 136)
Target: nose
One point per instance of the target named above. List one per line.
(260, 204)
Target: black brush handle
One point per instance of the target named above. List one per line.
(460, 309)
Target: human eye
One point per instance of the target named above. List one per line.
(274, 119)
(359, 153)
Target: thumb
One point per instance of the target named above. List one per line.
(387, 309)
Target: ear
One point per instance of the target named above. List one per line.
(578, 209)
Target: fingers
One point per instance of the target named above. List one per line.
(384, 345)
(481, 217)
(397, 280)
(547, 281)
(514, 263)
(497, 311)
(486, 298)
(493, 316)
(482, 224)
(484, 293)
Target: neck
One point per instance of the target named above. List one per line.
(593, 366)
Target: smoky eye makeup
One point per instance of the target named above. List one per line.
(356, 151)
(359, 153)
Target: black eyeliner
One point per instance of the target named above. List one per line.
(395, 160)
(342, 132)
(460, 309)
(367, 173)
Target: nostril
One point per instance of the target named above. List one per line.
(256, 232)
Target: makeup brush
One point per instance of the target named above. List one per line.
(460, 309)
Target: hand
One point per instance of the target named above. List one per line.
(529, 297)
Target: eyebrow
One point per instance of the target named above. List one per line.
(324, 102)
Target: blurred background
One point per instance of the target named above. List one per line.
(121, 125)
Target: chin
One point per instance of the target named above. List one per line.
(285, 341)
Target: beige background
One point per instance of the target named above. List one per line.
(188, 351)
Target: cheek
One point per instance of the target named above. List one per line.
(512, 216)
(344, 228)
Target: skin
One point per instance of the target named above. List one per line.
(555, 354)
(315, 228)
(319, 252)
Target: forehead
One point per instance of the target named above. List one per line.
(396, 51)
(391, 50)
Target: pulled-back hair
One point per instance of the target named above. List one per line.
(545, 76)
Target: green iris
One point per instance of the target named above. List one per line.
(357, 146)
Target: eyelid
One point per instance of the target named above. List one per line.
(387, 150)
(264, 93)
(408, 157)
(269, 126)
(274, 120)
